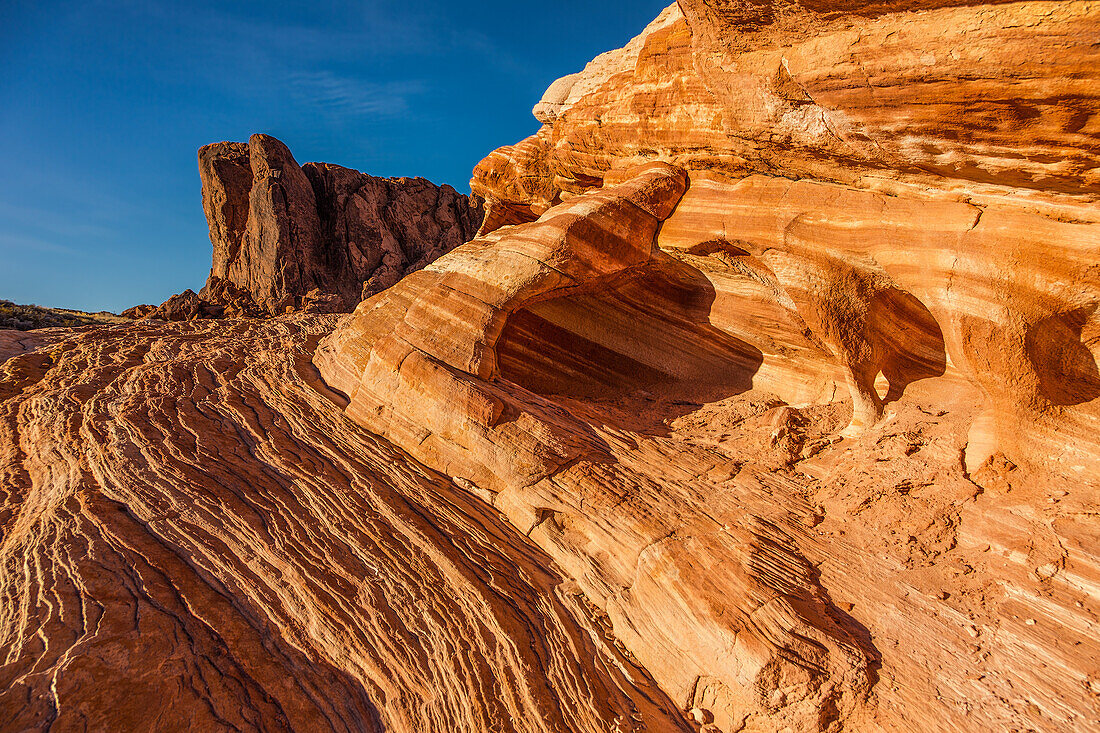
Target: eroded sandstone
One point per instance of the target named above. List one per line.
(195, 538)
(885, 265)
(765, 399)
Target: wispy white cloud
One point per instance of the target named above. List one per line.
(34, 244)
(345, 96)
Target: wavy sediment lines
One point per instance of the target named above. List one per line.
(728, 451)
(419, 363)
(701, 572)
(907, 287)
(196, 538)
(985, 99)
(895, 338)
(456, 364)
(966, 214)
(793, 288)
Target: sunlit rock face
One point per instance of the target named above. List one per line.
(455, 363)
(961, 142)
(974, 97)
(818, 437)
(195, 538)
(765, 399)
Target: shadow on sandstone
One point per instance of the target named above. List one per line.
(649, 334)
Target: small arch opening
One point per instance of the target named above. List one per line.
(882, 386)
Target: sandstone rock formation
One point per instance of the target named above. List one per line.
(835, 92)
(219, 299)
(138, 312)
(318, 236)
(439, 364)
(766, 399)
(194, 538)
(983, 99)
(889, 239)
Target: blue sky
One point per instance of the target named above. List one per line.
(104, 103)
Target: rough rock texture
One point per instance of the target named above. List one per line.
(319, 237)
(195, 538)
(380, 229)
(568, 90)
(821, 433)
(983, 98)
(439, 363)
(219, 299)
(811, 90)
(767, 399)
(138, 312)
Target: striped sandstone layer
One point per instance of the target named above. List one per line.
(766, 399)
(888, 246)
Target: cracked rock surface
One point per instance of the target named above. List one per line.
(766, 398)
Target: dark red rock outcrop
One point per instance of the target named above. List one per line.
(278, 256)
(219, 299)
(138, 312)
(319, 237)
(377, 230)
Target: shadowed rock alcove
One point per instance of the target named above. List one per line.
(1059, 350)
(651, 329)
(909, 340)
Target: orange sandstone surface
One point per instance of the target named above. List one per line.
(766, 399)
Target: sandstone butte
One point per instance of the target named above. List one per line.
(766, 399)
(317, 237)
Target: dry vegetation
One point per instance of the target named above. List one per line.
(30, 317)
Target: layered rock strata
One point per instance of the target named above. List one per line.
(766, 399)
(195, 538)
(318, 237)
(836, 92)
(430, 343)
(451, 362)
(886, 262)
(985, 99)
